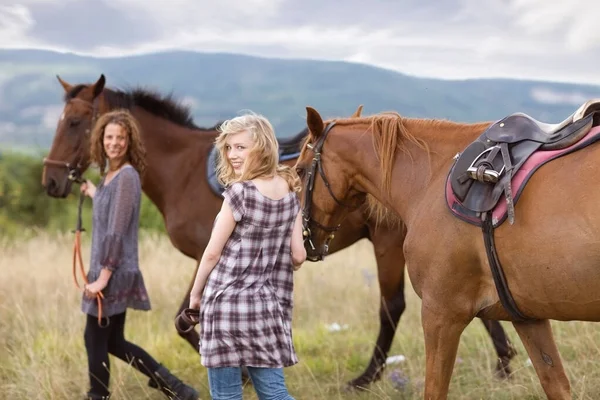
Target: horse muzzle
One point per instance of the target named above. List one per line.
(317, 253)
(58, 189)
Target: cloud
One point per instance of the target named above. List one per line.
(532, 39)
(15, 22)
(47, 115)
(574, 22)
(7, 128)
(78, 25)
(190, 101)
(549, 96)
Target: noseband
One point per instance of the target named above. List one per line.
(317, 166)
(75, 174)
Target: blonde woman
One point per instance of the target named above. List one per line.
(244, 283)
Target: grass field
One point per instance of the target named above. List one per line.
(41, 332)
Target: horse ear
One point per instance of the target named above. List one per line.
(358, 112)
(64, 84)
(99, 86)
(314, 122)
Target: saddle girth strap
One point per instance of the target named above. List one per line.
(508, 302)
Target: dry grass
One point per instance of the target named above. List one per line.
(41, 329)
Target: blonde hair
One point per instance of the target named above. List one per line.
(263, 159)
(136, 152)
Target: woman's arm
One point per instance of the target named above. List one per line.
(223, 228)
(298, 250)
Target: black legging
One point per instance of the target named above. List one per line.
(101, 341)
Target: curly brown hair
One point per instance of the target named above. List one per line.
(136, 152)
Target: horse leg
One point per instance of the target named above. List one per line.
(504, 348)
(442, 331)
(390, 271)
(539, 342)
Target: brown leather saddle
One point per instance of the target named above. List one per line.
(486, 168)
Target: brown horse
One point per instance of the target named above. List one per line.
(404, 164)
(176, 183)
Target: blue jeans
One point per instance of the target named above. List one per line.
(226, 383)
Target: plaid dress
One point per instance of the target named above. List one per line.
(246, 307)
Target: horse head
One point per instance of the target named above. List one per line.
(328, 194)
(69, 154)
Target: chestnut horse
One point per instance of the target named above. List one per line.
(550, 255)
(175, 181)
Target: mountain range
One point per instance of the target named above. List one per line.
(218, 86)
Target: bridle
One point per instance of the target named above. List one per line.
(74, 168)
(317, 166)
(75, 175)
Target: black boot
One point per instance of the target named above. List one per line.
(171, 386)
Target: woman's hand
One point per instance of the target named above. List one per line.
(195, 299)
(92, 289)
(88, 189)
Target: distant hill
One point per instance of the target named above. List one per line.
(218, 86)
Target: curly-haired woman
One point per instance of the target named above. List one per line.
(117, 148)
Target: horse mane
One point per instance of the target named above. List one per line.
(390, 135)
(382, 215)
(164, 106)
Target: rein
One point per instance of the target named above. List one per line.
(78, 259)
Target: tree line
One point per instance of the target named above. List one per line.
(24, 203)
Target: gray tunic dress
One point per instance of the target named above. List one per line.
(115, 223)
(246, 307)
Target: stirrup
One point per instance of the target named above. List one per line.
(483, 174)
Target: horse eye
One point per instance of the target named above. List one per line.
(300, 171)
(74, 122)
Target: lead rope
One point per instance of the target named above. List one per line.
(78, 259)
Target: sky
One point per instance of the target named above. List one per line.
(449, 39)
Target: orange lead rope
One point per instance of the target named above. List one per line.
(78, 258)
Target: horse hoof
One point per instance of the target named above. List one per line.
(363, 381)
(503, 370)
(351, 387)
(358, 384)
